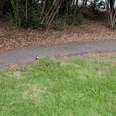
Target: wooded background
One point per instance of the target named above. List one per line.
(37, 13)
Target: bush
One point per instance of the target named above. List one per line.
(25, 13)
(74, 16)
(4, 7)
(59, 23)
(32, 13)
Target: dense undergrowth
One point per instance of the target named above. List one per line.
(37, 13)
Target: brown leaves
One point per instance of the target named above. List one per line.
(11, 38)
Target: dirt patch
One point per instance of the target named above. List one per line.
(11, 38)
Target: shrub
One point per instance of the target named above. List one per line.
(25, 13)
(74, 16)
(34, 13)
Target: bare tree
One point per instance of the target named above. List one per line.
(111, 12)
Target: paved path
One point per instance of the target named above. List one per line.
(28, 55)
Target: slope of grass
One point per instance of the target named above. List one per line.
(67, 88)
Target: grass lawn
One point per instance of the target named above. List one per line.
(65, 88)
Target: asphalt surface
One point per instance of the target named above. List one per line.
(28, 55)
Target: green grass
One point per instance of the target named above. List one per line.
(64, 88)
